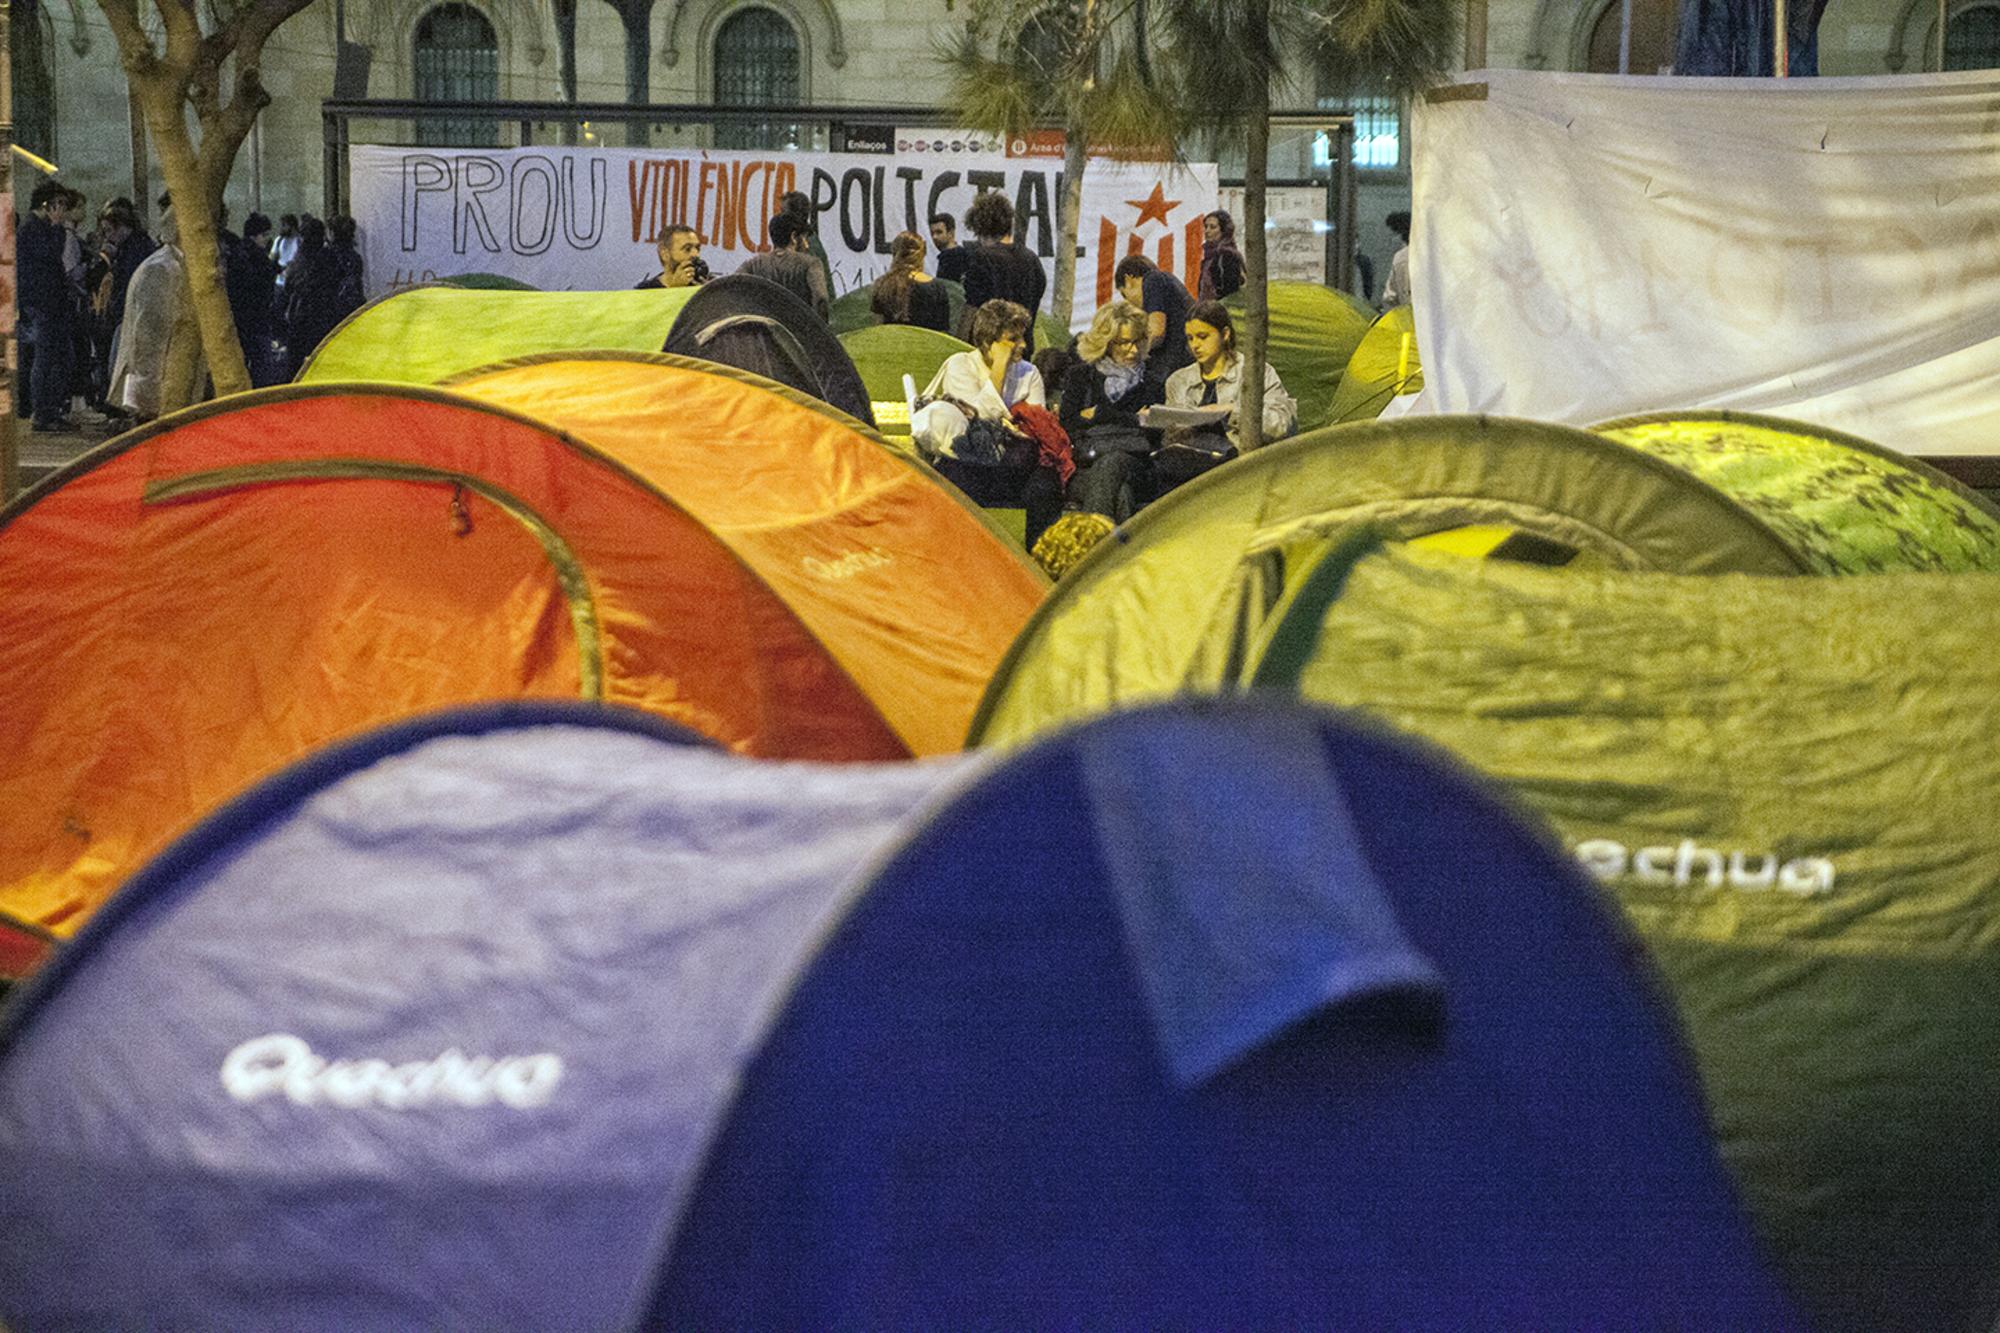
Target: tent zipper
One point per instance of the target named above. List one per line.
(569, 572)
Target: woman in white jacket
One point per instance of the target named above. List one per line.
(983, 385)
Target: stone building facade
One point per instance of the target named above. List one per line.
(71, 103)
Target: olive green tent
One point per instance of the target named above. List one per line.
(425, 334)
(492, 282)
(1384, 365)
(884, 353)
(1174, 602)
(1790, 786)
(1314, 330)
(1854, 506)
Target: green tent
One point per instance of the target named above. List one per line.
(1314, 330)
(1856, 507)
(491, 282)
(885, 353)
(423, 334)
(1384, 365)
(1790, 786)
(1174, 602)
(856, 309)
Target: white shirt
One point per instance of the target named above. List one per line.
(963, 376)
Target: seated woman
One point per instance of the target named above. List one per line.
(1102, 397)
(1215, 380)
(966, 421)
(908, 295)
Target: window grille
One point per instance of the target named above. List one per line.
(1378, 132)
(457, 59)
(756, 64)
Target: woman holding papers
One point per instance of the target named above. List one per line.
(1200, 412)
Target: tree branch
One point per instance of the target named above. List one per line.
(135, 48)
(183, 37)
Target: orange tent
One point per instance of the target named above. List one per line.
(904, 580)
(214, 595)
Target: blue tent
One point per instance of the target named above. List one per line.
(1223, 1015)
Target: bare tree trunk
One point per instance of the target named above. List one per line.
(1069, 219)
(1257, 303)
(196, 200)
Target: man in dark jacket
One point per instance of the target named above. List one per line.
(1166, 302)
(48, 304)
(251, 280)
(950, 254)
(997, 268)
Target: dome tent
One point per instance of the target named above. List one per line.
(1788, 786)
(1314, 330)
(421, 335)
(873, 552)
(884, 353)
(493, 282)
(1384, 365)
(756, 325)
(1856, 506)
(1175, 603)
(1089, 1128)
(218, 592)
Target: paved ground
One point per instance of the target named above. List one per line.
(43, 454)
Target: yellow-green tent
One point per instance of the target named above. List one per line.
(1385, 365)
(425, 334)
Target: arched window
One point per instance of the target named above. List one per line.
(1652, 37)
(31, 37)
(1971, 39)
(457, 60)
(756, 64)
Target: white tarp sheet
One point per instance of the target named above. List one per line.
(1588, 246)
(588, 218)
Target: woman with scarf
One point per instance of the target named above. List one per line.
(1221, 261)
(1101, 400)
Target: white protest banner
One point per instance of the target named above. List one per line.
(1590, 246)
(589, 218)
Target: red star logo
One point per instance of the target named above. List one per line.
(1155, 205)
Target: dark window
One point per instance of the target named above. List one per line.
(457, 60)
(756, 64)
(31, 38)
(1652, 37)
(1971, 39)
(1047, 41)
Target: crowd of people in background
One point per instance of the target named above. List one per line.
(988, 419)
(107, 317)
(1142, 401)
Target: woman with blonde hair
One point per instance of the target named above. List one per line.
(908, 295)
(1102, 397)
